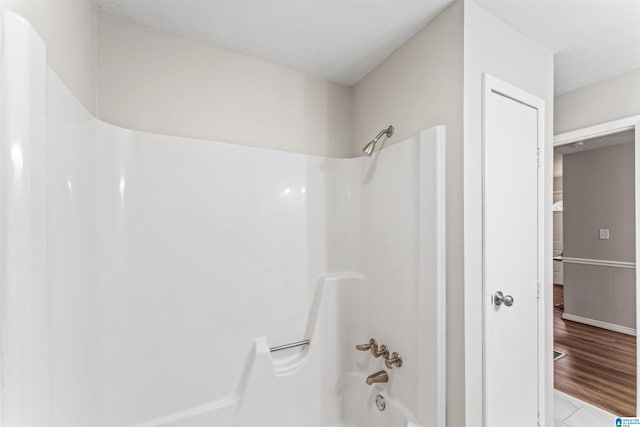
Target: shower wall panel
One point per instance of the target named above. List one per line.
(169, 256)
(398, 202)
(75, 267)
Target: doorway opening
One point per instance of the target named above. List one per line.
(594, 270)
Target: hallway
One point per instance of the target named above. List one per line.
(599, 365)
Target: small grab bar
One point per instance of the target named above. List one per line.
(290, 345)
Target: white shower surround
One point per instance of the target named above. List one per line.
(145, 276)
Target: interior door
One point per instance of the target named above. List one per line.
(512, 257)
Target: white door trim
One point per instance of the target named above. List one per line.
(495, 85)
(601, 129)
(607, 128)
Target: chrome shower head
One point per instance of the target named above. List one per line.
(371, 145)
(368, 149)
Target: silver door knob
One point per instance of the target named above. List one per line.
(499, 298)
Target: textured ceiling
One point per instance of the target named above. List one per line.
(592, 39)
(342, 40)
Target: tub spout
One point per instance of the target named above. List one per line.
(378, 377)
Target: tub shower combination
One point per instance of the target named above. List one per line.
(153, 280)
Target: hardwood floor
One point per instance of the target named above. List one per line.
(599, 366)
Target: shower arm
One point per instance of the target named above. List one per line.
(388, 131)
(368, 149)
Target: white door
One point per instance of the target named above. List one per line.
(513, 220)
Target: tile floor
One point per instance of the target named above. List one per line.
(571, 412)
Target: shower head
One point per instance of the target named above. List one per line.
(371, 145)
(368, 149)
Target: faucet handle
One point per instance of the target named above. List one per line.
(365, 347)
(394, 360)
(380, 351)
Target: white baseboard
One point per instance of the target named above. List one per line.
(600, 324)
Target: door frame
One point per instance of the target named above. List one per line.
(603, 129)
(493, 84)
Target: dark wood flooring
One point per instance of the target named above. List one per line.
(599, 366)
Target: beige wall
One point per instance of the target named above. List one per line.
(608, 100)
(491, 46)
(599, 192)
(136, 77)
(601, 294)
(68, 30)
(159, 82)
(417, 87)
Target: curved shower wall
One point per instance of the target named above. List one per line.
(148, 275)
(23, 294)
